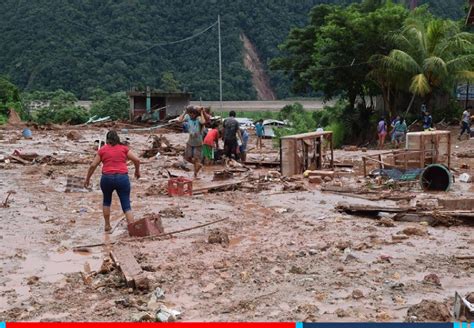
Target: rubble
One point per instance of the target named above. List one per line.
(369, 261)
(428, 311)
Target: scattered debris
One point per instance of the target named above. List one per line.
(73, 135)
(129, 267)
(7, 201)
(428, 311)
(432, 279)
(217, 236)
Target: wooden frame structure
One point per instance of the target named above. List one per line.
(305, 151)
(422, 148)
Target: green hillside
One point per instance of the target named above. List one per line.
(82, 45)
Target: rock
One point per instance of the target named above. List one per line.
(342, 245)
(216, 236)
(470, 297)
(312, 251)
(428, 311)
(297, 270)
(244, 276)
(432, 279)
(383, 316)
(414, 231)
(386, 222)
(341, 313)
(74, 135)
(33, 280)
(357, 294)
(315, 180)
(167, 315)
(327, 179)
(142, 317)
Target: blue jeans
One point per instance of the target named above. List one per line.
(119, 183)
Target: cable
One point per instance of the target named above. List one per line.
(161, 44)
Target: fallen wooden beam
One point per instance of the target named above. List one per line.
(128, 265)
(262, 163)
(19, 159)
(372, 209)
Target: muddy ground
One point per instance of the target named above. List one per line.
(290, 257)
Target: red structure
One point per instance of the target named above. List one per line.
(180, 187)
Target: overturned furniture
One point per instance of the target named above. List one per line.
(307, 151)
(422, 149)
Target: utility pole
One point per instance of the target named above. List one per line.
(220, 59)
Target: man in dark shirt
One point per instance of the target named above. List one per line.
(231, 131)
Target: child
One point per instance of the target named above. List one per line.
(382, 132)
(259, 130)
(211, 140)
(243, 146)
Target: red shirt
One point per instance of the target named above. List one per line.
(211, 137)
(114, 159)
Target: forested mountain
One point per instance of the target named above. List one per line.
(82, 45)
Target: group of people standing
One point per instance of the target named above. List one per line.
(398, 131)
(203, 142)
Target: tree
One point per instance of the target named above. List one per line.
(431, 54)
(331, 54)
(115, 105)
(169, 83)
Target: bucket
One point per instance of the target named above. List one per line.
(27, 133)
(436, 177)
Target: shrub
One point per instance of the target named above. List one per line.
(338, 134)
(71, 115)
(115, 105)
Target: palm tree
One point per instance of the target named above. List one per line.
(430, 55)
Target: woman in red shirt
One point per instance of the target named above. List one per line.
(114, 156)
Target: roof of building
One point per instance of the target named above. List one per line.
(157, 93)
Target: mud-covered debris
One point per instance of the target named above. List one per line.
(73, 135)
(357, 294)
(33, 280)
(432, 279)
(165, 314)
(342, 245)
(217, 236)
(470, 297)
(341, 313)
(172, 212)
(142, 317)
(414, 231)
(428, 311)
(297, 270)
(155, 190)
(386, 222)
(107, 266)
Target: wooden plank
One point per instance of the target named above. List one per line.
(124, 259)
(19, 159)
(457, 204)
(372, 208)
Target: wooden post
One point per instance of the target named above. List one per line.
(449, 150)
(332, 151)
(364, 161)
(381, 166)
(422, 148)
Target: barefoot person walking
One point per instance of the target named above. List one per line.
(113, 156)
